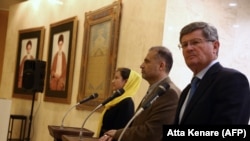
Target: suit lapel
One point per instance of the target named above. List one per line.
(203, 86)
(147, 96)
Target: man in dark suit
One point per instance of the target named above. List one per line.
(147, 126)
(222, 95)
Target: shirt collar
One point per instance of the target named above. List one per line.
(153, 86)
(203, 72)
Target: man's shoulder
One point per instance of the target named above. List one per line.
(172, 86)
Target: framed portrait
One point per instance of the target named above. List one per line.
(30, 46)
(62, 44)
(101, 34)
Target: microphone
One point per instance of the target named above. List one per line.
(160, 91)
(117, 93)
(93, 96)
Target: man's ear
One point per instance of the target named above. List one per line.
(216, 45)
(162, 65)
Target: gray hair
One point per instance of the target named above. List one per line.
(209, 31)
(165, 54)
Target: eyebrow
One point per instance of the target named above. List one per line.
(192, 39)
(146, 60)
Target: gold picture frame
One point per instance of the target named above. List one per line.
(101, 35)
(30, 46)
(62, 46)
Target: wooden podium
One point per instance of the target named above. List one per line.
(77, 138)
(57, 132)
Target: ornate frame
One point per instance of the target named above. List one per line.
(101, 35)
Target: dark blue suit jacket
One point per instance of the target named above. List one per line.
(222, 97)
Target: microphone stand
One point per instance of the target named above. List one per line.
(130, 121)
(95, 95)
(81, 132)
(31, 114)
(67, 114)
(145, 106)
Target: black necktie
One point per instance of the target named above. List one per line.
(194, 84)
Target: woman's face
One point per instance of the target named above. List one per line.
(60, 44)
(28, 48)
(118, 82)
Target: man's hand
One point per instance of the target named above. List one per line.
(108, 136)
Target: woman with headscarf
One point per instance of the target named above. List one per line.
(119, 111)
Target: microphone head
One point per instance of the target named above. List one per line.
(95, 95)
(120, 91)
(159, 92)
(162, 88)
(117, 93)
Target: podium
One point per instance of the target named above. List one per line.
(77, 138)
(57, 132)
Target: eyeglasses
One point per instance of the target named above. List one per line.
(193, 43)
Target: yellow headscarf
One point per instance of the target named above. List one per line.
(131, 87)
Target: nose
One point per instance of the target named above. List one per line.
(141, 66)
